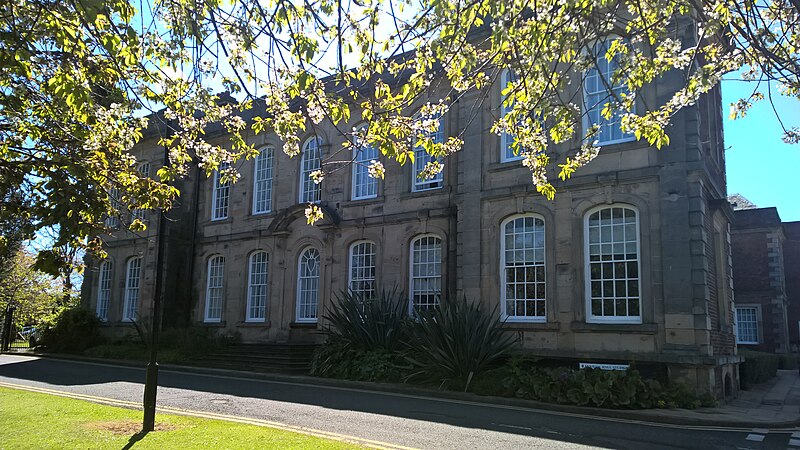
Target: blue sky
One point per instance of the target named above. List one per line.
(760, 165)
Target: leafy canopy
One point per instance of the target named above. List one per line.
(76, 77)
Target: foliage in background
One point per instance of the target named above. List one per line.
(368, 323)
(757, 367)
(35, 296)
(455, 341)
(586, 387)
(365, 337)
(76, 77)
(175, 344)
(74, 330)
(340, 359)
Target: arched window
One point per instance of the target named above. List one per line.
(220, 195)
(506, 139)
(104, 289)
(364, 186)
(310, 192)
(422, 158)
(362, 269)
(612, 266)
(257, 287)
(132, 278)
(599, 89)
(262, 181)
(308, 270)
(522, 257)
(214, 283)
(425, 285)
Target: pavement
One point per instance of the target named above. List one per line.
(774, 404)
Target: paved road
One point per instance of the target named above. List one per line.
(392, 418)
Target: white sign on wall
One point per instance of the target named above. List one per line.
(603, 366)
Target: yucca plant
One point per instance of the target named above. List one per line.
(367, 323)
(455, 341)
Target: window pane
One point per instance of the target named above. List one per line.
(214, 282)
(426, 272)
(133, 274)
(262, 181)
(310, 192)
(220, 195)
(614, 262)
(104, 290)
(257, 287)
(523, 263)
(362, 269)
(364, 186)
(308, 285)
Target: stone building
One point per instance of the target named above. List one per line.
(766, 254)
(629, 264)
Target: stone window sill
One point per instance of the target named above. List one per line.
(632, 328)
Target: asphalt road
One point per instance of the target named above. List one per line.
(396, 419)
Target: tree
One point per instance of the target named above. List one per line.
(77, 76)
(36, 297)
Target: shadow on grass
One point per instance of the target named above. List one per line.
(134, 439)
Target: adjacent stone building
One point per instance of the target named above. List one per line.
(766, 258)
(629, 264)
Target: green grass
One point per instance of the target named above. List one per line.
(30, 420)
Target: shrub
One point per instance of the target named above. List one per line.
(339, 358)
(757, 367)
(454, 342)
(595, 387)
(368, 323)
(74, 330)
(788, 361)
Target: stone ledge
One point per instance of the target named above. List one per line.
(627, 328)
(531, 326)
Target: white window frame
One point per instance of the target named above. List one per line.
(310, 192)
(590, 317)
(757, 317)
(300, 317)
(363, 185)
(257, 281)
(506, 140)
(263, 175)
(133, 277)
(600, 59)
(105, 277)
(215, 288)
(220, 195)
(422, 158)
(140, 213)
(112, 221)
(535, 265)
(412, 277)
(362, 274)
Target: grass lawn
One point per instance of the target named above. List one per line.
(30, 420)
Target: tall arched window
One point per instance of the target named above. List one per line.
(308, 270)
(522, 257)
(422, 158)
(425, 285)
(214, 283)
(257, 287)
(506, 139)
(311, 161)
(104, 289)
(612, 267)
(599, 89)
(220, 195)
(364, 186)
(132, 278)
(362, 269)
(262, 181)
